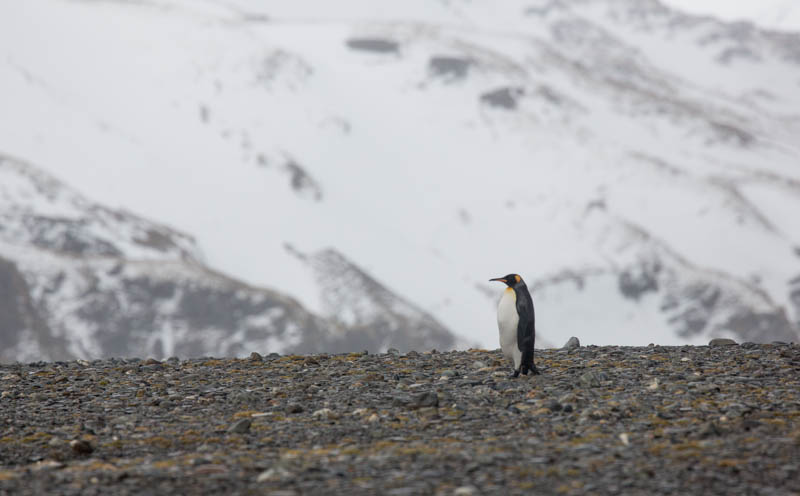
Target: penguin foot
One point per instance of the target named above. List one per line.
(514, 375)
(532, 369)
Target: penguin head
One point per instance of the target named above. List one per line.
(511, 279)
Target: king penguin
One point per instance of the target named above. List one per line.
(516, 323)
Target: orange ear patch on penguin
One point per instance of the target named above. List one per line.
(517, 277)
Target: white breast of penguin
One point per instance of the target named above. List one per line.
(507, 320)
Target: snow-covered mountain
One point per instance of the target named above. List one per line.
(638, 166)
(82, 280)
(783, 15)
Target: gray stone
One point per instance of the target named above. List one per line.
(241, 426)
(276, 473)
(422, 400)
(573, 342)
(294, 408)
(81, 446)
(589, 379)
(721, 342)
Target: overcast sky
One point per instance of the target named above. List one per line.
(774, 14)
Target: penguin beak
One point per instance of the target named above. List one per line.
(498, 279)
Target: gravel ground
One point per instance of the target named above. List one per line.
(600, 420)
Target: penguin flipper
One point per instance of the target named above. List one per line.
(526, 330)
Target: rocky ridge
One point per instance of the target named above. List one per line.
(718, 419)
(80, 280)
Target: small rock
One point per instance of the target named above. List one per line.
(48, 465)
(653, 385)
(422, 400)
(403, 491)
(152, 361)
(554, 406)
(393, 352)
(573, 342)
(274, 474)
(710, 429)
(449, 373)
(589, 379)
(256, 357)
(373, 418)
(294, 408)
(464, 491)
(721, 342)
(325, 414)
(240, 426)
(478, 364)
(81, 447)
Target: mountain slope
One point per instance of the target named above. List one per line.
(82, 280)
(649, 155)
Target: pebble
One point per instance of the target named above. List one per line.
(427, 399)
(721, 342)
(325, 414)
(589, 380)
(81, 446)
(274, 474)
(572, 343)
(294, 408)
(241, 426)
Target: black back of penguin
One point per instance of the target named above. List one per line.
(526, 330)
